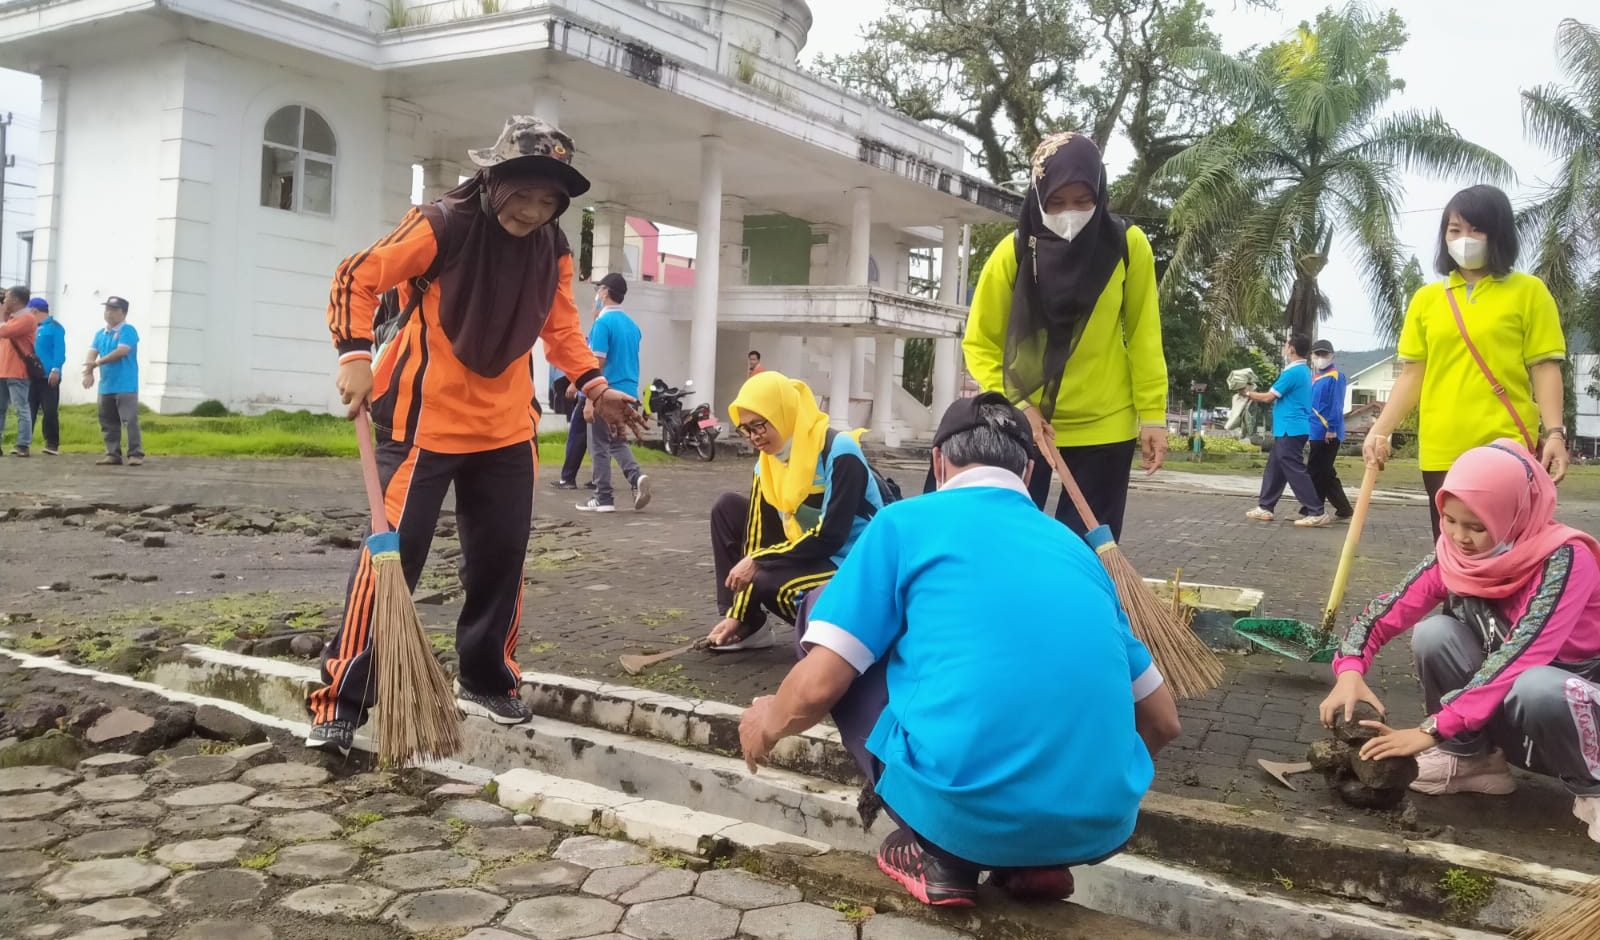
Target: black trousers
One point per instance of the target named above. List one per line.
(577, 443)
(1325, 475)
(46, 398)
(1286, 466)
(1433, 482)
(780, 582)
(494, 505)
(1102, 472)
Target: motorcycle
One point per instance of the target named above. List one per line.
(682, 429)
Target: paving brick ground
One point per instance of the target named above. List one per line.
(598, 587)
(446, 866)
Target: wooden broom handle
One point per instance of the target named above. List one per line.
(1084, 512)
(369, 473)
(1352, 538)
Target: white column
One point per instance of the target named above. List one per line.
(46, 274)
(843, 344)
(707, 279)
(610, 230)
(883, 397)
(947, 350)
(402, 119)
(824, 238)
(860, 237)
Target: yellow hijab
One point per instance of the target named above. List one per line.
(788, 405)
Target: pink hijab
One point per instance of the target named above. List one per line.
(1505, 486)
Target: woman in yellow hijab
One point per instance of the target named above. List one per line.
(811, 497)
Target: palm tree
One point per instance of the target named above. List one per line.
(1310, 157)
(1563, 223)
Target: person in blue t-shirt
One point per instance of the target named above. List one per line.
(116, 355)
(1292, 418)
(44, 398)
(961, 648)
(1327, 428)
(614, 338)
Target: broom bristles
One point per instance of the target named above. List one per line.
(1579, 920)
(1187, 664)
(417, 714)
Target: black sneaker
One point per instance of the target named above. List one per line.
(500, 709)
(589, 486)
(336, 735)
(19, 451)
(559, 484)
(928, 878)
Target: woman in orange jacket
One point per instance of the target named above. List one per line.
(485, 272)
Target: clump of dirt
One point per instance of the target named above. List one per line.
(1365, 784)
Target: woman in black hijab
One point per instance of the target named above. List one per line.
(1064, 323)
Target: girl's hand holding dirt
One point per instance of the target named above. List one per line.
(355, 385)
(1340, 704)
(1391, 743)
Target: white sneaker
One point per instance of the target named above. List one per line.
(1439, 773)
(760, 640)
(1260, 515)
(1587, 809)
(641, 492)
(1314, 522)
(594, 505)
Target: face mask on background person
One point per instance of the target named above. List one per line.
(598, 302)
(1321, 362)
(1469, 253)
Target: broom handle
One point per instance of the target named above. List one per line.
(369, 473)
(1341, 577)
(1084, 512)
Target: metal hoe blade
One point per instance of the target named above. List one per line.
(1280, 771)
(634, 664)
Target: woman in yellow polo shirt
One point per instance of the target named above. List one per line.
(1064, 323)
(1511, 320)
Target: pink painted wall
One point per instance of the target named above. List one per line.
(670, 270)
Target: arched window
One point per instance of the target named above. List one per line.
(297, 157)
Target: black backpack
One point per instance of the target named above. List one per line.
(888, 489)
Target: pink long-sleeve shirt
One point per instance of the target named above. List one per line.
(1554, 618)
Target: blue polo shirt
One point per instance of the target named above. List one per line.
(1327, 404)
(616, 337)
(120, 377)
(1009, 735)
(1291, 413)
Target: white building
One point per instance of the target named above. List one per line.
(19, 116)
(1370, 376)
(212, 160)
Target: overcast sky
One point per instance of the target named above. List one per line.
(1469, 59)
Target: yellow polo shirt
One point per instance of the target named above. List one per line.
(1117, 376)
(1514, 324)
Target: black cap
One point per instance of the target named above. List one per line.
(616, 284)
(967, 413)
(118, 302)
(1322, 346)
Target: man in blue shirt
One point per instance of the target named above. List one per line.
(116, 355)
(1290, 398)
(50, 345)
(982, 673)
(1327, 427)
(614, 338)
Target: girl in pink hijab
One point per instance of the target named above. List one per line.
(1511, 666)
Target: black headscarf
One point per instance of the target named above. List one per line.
(1058, 282)
(495, 290)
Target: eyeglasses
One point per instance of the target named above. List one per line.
(754, 428)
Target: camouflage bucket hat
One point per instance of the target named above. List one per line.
(527, 138)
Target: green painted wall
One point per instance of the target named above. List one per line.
(780, 249)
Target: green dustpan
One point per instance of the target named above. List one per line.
(1289, 638)
(1302, 641)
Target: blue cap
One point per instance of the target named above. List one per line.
(38, 303)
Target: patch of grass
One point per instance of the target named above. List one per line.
(1284, 881)
(265, 860)
(491, 792)
(667, 858)
(458, 827)
(538, 648)
(217, 747)
(668, 679)
(359, 821)
(1465, 893)
(179, 867)
(854, 913)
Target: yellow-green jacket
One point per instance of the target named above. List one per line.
(1116, 379)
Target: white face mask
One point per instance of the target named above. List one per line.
(1469, 253)
(1066, 224)
(1321, 362)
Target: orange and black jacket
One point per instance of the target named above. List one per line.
(421, 393)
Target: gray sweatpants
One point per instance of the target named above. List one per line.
(117, 412)
(604, 444)
(1549, 722)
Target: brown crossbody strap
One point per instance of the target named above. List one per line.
(1494, 383)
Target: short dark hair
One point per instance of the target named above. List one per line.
(1300, 343)
(20, 292)
(1488, 210)
(754, 352)
(995, 443)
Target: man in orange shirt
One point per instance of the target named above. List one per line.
(450, 399)
(17, 328)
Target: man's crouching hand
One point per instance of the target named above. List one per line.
(753, 738)
(620, 412)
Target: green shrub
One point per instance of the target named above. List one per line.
(211, 408)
